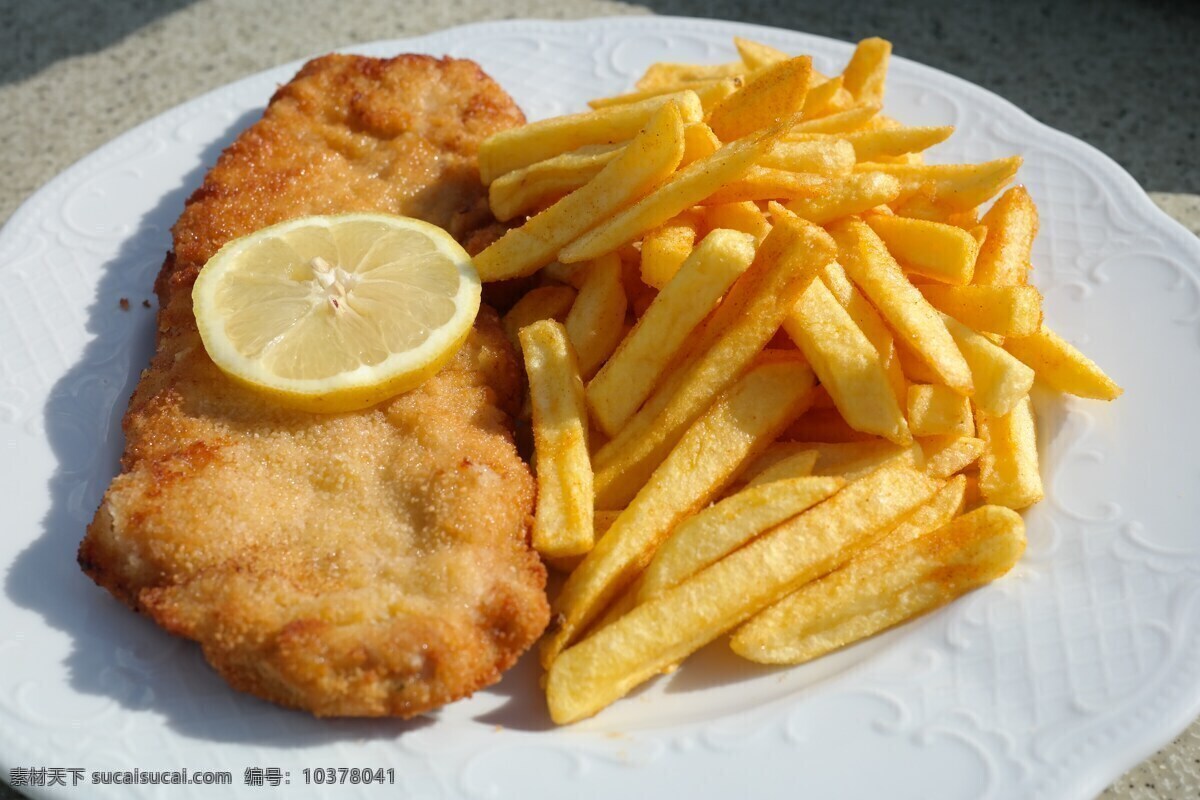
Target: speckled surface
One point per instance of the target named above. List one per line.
(1120, 75)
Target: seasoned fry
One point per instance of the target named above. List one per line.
(890, 583)
(847, 364)
(698, 142)
(662, 631)
(999, 379)
(710, 92)
(764, 183)
(849, 460)
(740, 327)
(1008, 468)
(1005, 310)
(799, 465)
(519, 147)
(626, 380)
(596, 321)
(666, 74)
(892, 142)
(740, 424)
(828, 157)
(851, 119)
(666, 248)
(870, 323)
(756, 55)
(930, 249)
(562, 523)
(873, 270)
(683, 190)
(773, 93)
(544, 302)
(825, 98)
(955, 187)
(934, 410)
(744, 217)
(853, 194)
(643, 164)
(1012, 225)
(865, 75)
(946, 455)
(718, 530)
(538, 185)
(1061, 366)
(825, 425)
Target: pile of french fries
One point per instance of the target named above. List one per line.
(779, 366)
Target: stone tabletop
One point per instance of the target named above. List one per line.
(1120, 75)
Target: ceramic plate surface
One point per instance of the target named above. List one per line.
(1046, 685)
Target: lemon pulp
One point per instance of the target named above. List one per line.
(336, 313)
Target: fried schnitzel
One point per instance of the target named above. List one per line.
(371, 563)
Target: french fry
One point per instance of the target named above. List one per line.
(829, 157)
(852, 194)
(825, 98)
(601, 522)
(913, 366)
(1006, 310)
(596, 321)
(569, 274)
(764, 183)
(643, 164)
(773, 93)
(740, 424)
(870, 323)
(667, 74)
(512, 149)
(662, 631)
(664, 250)
(946, 455)
(725, 344)
(718, 530)
(1012, 224)
(825, 425)
(756, 55)
(880, 278)
(799, 465)
(544, 302)
(698, 142)
(628, 377)
(847, 121)
(1062, 366)
(847, 364)
(892, 142)
(865, 75)
(849, 460)
(890, 583)
(1008, 468)
(538, 185)
(930, 249)
(684, 189)
(562, 523)
(955, 187)
(710, 92)
(1000, 380)
(744, 217)
(935, 410)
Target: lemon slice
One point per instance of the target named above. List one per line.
(336, 313)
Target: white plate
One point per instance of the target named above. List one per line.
(1048, 684)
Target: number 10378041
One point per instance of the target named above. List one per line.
(330, 775)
